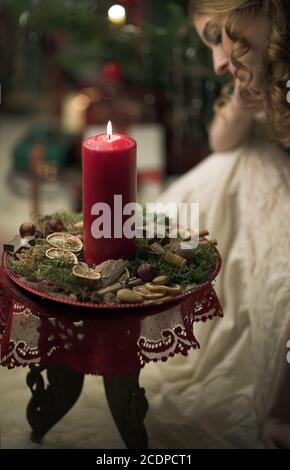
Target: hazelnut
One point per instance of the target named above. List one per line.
(146, 272)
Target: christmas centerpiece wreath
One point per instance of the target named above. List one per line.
(46, 258)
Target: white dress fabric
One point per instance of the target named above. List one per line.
(217, 396)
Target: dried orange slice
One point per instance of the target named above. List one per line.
(59, 253)
(65, 241)
(82, 270)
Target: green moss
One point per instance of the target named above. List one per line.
(68, 219)
(56, 274)
(200, 269)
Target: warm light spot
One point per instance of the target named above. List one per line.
(109, 130)
(117, 14)
(81, 102)
(23, 18)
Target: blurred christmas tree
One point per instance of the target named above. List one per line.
(156, 49)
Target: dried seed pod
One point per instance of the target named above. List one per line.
(141, 289)
(172, 289)
(146, 294)
(183, 249)
(111, 289)
(157, 249)
(125, 277)
(160, 280)
(129, 296)
(176, 260)
(100, 267)
(112, 271)
(117, 286)
(155, 288)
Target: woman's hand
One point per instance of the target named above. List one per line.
(241, 103)
(275, 433)
(233, 124)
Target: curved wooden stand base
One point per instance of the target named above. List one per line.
(49, 404)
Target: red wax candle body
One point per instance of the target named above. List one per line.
(109, 169)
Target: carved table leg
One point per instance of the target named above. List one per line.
(129, 406)
(48, 405)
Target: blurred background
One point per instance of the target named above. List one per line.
(69, 66)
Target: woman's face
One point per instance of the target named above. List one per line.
(212, 32)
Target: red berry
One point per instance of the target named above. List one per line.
(55, 224)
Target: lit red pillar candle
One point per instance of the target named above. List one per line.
(109, 181)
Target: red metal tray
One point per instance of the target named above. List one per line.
(65, 299)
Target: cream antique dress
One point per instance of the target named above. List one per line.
(216, 396)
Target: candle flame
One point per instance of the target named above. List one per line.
(117, 14)
(109, 130)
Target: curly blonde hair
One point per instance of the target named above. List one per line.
(236, 14)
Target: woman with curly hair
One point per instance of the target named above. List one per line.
(255, 36)
(244, 194)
